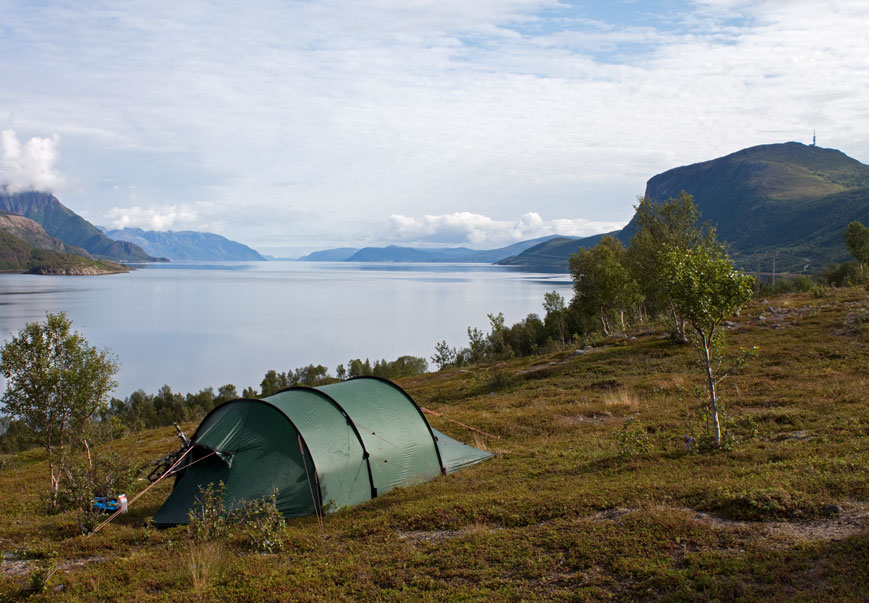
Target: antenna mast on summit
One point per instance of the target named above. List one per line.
(814, 138)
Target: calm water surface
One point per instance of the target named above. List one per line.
(204, 325)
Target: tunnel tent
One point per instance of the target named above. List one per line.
(325, 447)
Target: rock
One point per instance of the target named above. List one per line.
(802, 436)
(831, 510)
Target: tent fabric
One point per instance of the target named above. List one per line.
(322, 448)
(456, 455)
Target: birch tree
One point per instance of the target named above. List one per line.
(55, 383)
(705, 289)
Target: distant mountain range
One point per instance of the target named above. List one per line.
(395, 253)
(62, 223)
(187, 245)
(787, 201)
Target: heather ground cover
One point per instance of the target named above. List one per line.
(596, 493)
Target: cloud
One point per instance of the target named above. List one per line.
(479, 230)
(491, 108)
(29, 166)
(151, 218)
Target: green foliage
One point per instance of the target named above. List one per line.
(249, 392)
(478, 344)
(846, 274)
(632, 439)
(497, 344)
(16, 436)
(797, 284)
(56, 383)
(559, 515)
(530, 336)
(261, 525)
(106, 475)
(273, 382)
(444, 356)
(556, 316)
(403, 366)
(208, 518)
(789, 199)
(256, 523)
(857, 241)
(705, 289)
(40, 577)
(17, 255)
(603, 283)
(669, 225)
(761, 504)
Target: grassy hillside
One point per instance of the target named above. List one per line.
(790, 198)
(593, 494)
(61, 222)
(16, 255)
(32, 233)
(790, 201)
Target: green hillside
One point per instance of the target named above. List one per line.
(789, 200)
(593, 494)
(33, 234)
(61, 222)
(16, 255)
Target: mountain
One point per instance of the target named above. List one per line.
(330, 255)
(551, 256)
(19, 255)
(396, 253)
(34, 235)
(186, 245)
(61, 222)
(788, 203)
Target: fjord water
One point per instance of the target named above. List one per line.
(204, 325)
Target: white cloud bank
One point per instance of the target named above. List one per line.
(29, 166)
(482, 231)
(362, 110)
(151, 218)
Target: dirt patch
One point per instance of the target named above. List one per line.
(595, 419)
(428, 536)
(611, 514)
(849, 521)
(16, 568)
(842, 523)
(439, 535)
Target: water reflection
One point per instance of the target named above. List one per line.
(201, 324)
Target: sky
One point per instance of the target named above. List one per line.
(297, 125)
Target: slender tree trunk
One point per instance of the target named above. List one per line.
(678, 323)
(54, 473)
(713, 399)
(606, 330)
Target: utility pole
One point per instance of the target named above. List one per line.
(757, 285)
(774, 256)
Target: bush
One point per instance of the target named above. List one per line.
(762, 504)
(632, 439)
(108, 475)
(258, 523)
(842, 275)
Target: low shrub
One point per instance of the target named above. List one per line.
(257, 523)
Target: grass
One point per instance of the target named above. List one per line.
(561, 513)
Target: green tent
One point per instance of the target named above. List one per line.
(324, 448)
